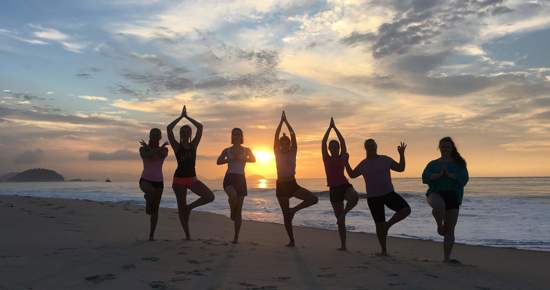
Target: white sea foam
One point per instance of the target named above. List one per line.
(501, 212)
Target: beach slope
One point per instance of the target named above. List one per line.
(75, 244)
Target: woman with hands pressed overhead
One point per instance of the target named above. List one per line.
(234, 182)
(334, 160)
(376, 171)
(285, 156)
(185, 176)
(446, 178)
(152, 180)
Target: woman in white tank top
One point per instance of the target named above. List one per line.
(234, 182)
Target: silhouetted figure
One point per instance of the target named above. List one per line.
(234, 182)
(152, 180)
(376, 170)
(446, 178)
(285, 155)
(185, 176)
(340, 188)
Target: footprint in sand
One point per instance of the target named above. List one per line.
(158, 285)
(431, 275)
(325, 268)
(393, 274)
(96, 279)
(128, 267)
(181, 253)
(282, 278)
(195, 272)
(358, 267)
(150, 259)
(269, 287)
(328, 275)
(396, 284)
(179, 279)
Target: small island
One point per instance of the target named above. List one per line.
(36, 175)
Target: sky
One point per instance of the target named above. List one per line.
(81, 82)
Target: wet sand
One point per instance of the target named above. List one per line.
(51, 243)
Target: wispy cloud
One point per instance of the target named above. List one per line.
(54, 35)
(94, 98)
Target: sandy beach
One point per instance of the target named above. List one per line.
(78, 244)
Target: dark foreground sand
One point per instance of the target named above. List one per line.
(72, 244)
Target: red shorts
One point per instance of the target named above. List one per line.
(185, 181)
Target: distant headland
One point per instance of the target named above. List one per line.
(33, 175)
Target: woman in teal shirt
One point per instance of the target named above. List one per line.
(446, 178)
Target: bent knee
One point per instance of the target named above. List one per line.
(314, 199)
(406, 211)
(210, 197)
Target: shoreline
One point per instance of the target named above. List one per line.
(140, 204)
(102, 245)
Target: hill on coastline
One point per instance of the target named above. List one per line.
(36, 174)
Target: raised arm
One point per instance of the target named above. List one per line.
(324, 141)
(199, 127)
(343, 147)
(277, 135)
(170, 130)
(400, 167)
(293, 143)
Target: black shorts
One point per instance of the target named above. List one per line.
(237, 181)
(338, 193)
(450, 197)
(155, 184)
(152, 201)
(391, 200)
(287, 188)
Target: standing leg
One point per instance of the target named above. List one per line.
(155, 213)
(183, 210)
(351, 198)
(152, 198)
(287, 218)
(451, 218)
(438, 211)
(231, 199)
(238, 217)
(338, 207)
(376, 207)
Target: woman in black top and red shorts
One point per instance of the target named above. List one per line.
(185, 176)
(334, 159)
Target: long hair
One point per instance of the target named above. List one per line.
(454, 154)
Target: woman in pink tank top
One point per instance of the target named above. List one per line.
(152, 180)
(340, 188)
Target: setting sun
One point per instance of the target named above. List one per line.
(265, 163)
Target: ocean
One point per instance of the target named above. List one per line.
(496, 211)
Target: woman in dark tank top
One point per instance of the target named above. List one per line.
(185, 176)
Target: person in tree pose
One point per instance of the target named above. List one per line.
(185, 176)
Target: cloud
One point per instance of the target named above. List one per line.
(54, 35)
(15, 35)
(93, 98)
(424, 24)
(115, 155)
(30, 157)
